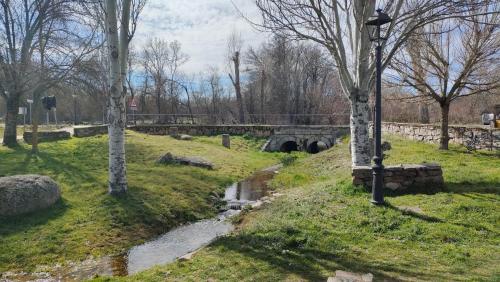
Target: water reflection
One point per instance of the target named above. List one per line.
(251, 189)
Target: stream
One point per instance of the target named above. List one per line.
(189, 238)
(168, 247)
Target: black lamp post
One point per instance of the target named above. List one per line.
(378, 168)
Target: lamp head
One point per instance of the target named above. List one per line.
(379, 20)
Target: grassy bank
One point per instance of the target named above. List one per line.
(324, 224)
(88, 222)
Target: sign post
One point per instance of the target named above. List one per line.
(30, 101)
(133, 108)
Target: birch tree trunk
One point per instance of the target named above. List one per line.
(360, 111)
(118, 51)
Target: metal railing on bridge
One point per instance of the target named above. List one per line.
(211, 119)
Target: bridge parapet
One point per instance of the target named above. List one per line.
(281, 137)
(254, 130)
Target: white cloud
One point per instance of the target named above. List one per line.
(202, 27)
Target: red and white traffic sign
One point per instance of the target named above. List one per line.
(133, 105)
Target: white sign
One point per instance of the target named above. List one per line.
(23, 110)
(29, 101)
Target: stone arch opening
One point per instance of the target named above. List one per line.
(289, 146)
(316, 147)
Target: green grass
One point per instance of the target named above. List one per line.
(324, 224)
(89, 222)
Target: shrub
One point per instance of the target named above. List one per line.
(288, 159)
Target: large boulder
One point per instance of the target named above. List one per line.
(27, 193)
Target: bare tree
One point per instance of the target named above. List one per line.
(161, 62)
(293, 82)
(156, 58)
(38, 52)
(177, 59)
(216, 92)
(453, 58)
(235, 44)
(20, 25)
(339, 26)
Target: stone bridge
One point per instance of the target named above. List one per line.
(310, 139)
(283, 138)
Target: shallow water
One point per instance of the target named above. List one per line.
(177, 243)
(189, 238)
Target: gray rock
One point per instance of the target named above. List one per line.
(168, 158)
(185, 137)
(27, 193)
(393, 185)
(226, 141)
(344, 276)
(386, 146)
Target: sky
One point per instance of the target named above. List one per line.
(201, 26)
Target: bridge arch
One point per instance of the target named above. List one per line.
(318, 144)
(289, 144)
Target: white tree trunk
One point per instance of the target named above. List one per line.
(360, 111)
(116, 113)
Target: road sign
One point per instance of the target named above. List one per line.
(49, 102)
(23, 110)
(133, 105)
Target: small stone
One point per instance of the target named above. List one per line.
(257, 204)
(174, 132)
(344, 276)
(386, 146)
(410, 209)
(187, 257)
(186, 137)
(226, 141)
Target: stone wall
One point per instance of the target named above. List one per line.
(47, 136)
(211, 130)
(402, 177)
(88, 131)
(489, 138)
